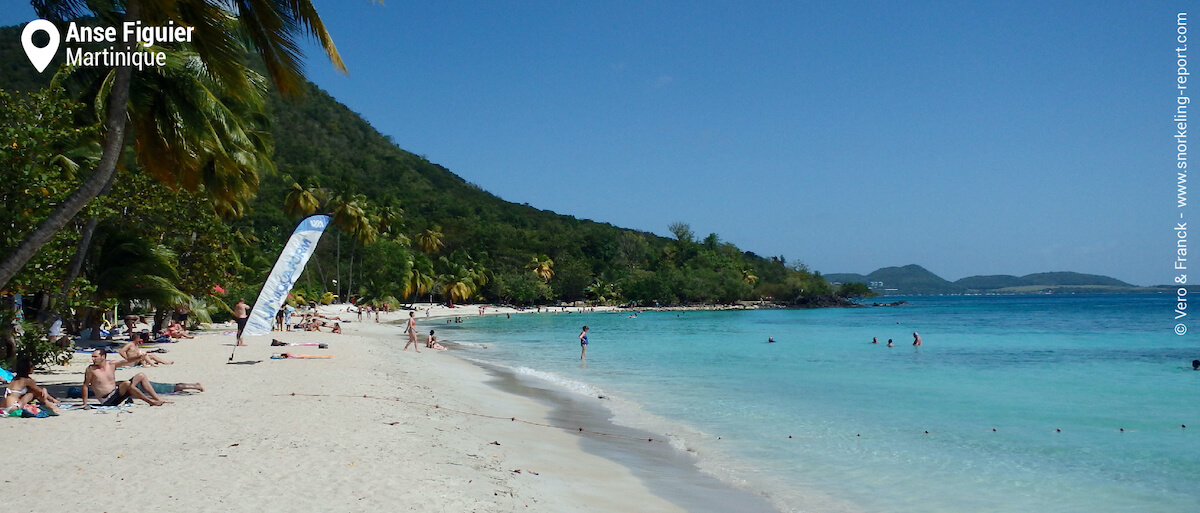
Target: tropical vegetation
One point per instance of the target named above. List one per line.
(180, 185)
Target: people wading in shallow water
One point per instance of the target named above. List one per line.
(916, 340)
(583, 343)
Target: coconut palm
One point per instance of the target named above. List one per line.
(421, 277)
(349, 214)
(602, 290)
(387, 216)
(748, 276)
(129, 268)
(542, 266)
(302, 201)
(267, 28)
(430, 241)
(462, 277)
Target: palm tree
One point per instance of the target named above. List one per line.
(420, 278)
(430, 241)
(602, 290)
(349, 214)
(189, 134)
(748, 276)
(270, 29)
(302, 201)
(462, 276)
(130, 268)
(542, 266)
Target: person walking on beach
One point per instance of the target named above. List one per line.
(411, 329)
(241, 314)
(583, 342)
(916, 340)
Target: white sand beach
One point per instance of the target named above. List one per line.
(360, 434)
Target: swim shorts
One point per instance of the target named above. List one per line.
(241, 322)
(114, 398)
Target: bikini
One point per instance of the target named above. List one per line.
(16, 392)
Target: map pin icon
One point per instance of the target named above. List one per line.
(40, 57)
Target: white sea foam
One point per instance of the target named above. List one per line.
(570, 385)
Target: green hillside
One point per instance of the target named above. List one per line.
(995, 281)
(1072, 279)
(846, 278)
(428, 231)
(914, 279)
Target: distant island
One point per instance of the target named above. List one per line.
(916, 280)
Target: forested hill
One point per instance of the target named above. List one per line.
(321, 142)
(409, 227)
(914, 279)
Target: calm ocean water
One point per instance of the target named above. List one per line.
(857, 413)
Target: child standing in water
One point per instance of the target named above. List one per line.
(583, 342)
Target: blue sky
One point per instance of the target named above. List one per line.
(990, 138)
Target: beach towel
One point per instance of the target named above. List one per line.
(101, 409)
(283, 356)
(6, 376)
(321, 345)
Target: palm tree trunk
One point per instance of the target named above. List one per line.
(76, 265)
(81, 249)
(320, 272)
(114, 140)
(338, 263)
(350, 274)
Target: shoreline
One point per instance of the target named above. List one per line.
(373, 426)
(667, 471)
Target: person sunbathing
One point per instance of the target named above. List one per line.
(24, 389)
(337, 328)
(175, 330)
(101, 376)
(138, 356)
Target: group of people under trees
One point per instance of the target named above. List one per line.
(99, 381)
(23, 396)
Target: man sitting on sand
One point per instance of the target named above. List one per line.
(100, 377)
(138, 356)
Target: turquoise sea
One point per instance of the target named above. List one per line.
(1024, 398)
